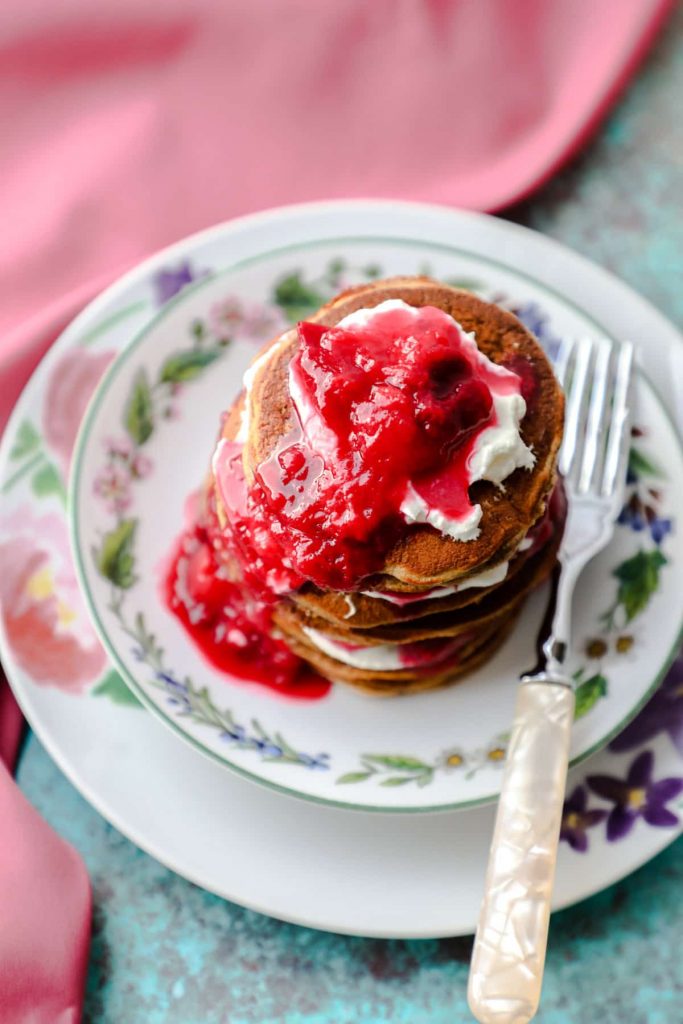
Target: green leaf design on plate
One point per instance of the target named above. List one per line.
(397, 762)
(26, 441)
(138, 417)
(638, 580)
(468, 284)
(372, 270)
(396, 780)
(424, 780)
(46, 481)
(589, 693)
(296, 298)
(187, 365)
(336, 266)
(351, 777)
(113, 687)
(639, 465)
(198, 329)
(115, 559)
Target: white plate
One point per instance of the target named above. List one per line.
(323, 867)
(433, 751)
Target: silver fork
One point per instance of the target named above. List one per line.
(512, 934)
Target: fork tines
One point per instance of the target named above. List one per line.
(595, 375)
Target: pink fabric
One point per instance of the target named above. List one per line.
(45, 920)
(44, 887)
(127, 125)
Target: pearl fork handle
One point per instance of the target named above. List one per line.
(512, 934)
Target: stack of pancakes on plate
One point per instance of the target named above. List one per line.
(439, 607)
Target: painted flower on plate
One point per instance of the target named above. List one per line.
(226, 317)
(662, 714)
(577, 819)
(119, 447)
(45, 620)
(113, 484)
(169, 281)
(262, 321)
(637, 796)
(141, 466)
(229, 318)
(72, 381)
(452, 759)
(639, 514)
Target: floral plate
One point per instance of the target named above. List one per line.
(323, 867)
(144, 445)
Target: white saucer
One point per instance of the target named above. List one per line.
(324, 867)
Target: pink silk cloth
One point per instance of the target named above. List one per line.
(45, 917)
(127, 125)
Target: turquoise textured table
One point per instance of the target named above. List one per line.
(165, 951)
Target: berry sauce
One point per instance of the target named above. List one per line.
(540, 534)
(382, 408)
(229, 621)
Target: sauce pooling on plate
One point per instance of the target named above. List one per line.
(229, 623)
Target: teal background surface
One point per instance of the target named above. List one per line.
(165, 951)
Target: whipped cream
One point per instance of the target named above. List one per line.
(483, 579)
(216, 458)
(381, 658)
(363, 317)
(498, 450)
(415, 509)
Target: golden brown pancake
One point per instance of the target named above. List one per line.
(444, 623)
(393, 684)
(360, 611)
(424, 557)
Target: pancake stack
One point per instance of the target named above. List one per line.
(436, 608)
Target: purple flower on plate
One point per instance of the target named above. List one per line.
(640, 515)
(662, 713)
(536, 320)
(637, 796)
(171, 280)
(659, 528)
(576, 820)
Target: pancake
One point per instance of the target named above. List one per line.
(289, 617)
(423, 557)
(371, 607)
(362, 612)
(393, 684)
(393, 635)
